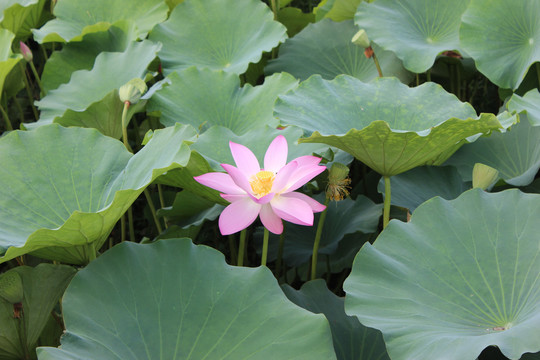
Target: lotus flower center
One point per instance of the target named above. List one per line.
(261, 183)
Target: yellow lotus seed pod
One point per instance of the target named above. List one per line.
(484, 176)
(338, 182)
(361, 39)
(132, 91)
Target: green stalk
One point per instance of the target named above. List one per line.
(36, 76)
(153, 210)
(124, 126)
(387, 198)
(318, 234)
(428, 75)
(162, 203)
(232, 248)
(23, 335)
(123, 228)
(6, 118)
(19, 107)
(376, 61)
(91, 250)
(29, 91)
(131, 226)
(265, 247)
(241, 247)
(417, 79)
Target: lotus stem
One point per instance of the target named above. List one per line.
(123, 228)
(428, 75)
(131, 227)
(377, 65)
(19, 107)
(387, 198)
(124, 126)
(241, 248)
(265, 247)
(162, 203)
(153, 210)
(318, 235)
(38, 80)
(29, 91)
(9, 127)
(91, 252)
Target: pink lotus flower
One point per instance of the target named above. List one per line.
(267, 193)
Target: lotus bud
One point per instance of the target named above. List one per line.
(338, 182)
(26, 52)
(361, 39)
(11, 288)
(484, 176)
(132, 91)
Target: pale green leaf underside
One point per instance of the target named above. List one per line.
(81, 55)
(8, 61)
(503, 38)
(204, 98)
(385, 124)
(208, 33)
(43, 286)
(337, 10)
(75, 18)
(415, 30)
(460, 276)
(65, 188)
(86, 87)
(352, 340)
(20, 16)
(515, 153)
(530, 102)
(199, 308)
(325, 48)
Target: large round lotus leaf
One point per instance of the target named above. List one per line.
(88, 87)
(503, 37)
(352, 340)
(385, 124)
(415, 30)
(75, 18)
(337, 10)
(460, 276)
(204, 97)
(20, 16)
(42, 288)
(515, 153)
(65, 188)
(530, 102)
(325, 48)
(192, 306)
(342, 218)
(8, 61)
(218, 34)
(81, 55)
(212, 149)
(413, 187)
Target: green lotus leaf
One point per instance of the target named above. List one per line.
(8, 60)
(208, 33)
(81, 55)
(20, 16)
(515, 153)
(189, 210)
(337, 10)
(42, 288)
(325, 48)
(294, 19)
(460, 276)
(530, 102)
(212, 149)
(76, 18)
(111, 70)
(413, 187)
(65, 188)
(385, 124)
(199, 308)
(504, 40)
(352, 340)
(342, 218)
(204, 98)
(415, 30)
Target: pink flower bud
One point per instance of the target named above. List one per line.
(26, 52)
